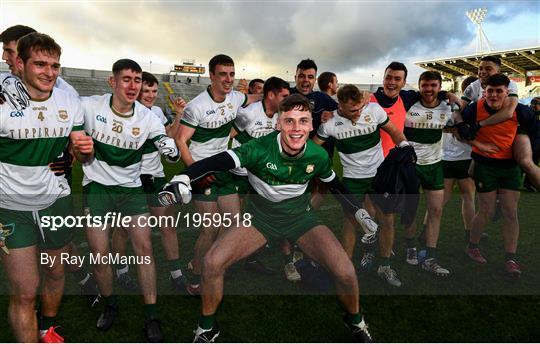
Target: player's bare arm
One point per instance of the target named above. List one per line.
(397, 135)
(82, 146)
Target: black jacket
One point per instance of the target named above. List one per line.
(396, 186)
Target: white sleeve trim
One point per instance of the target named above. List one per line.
(329, 179)
(235, 158)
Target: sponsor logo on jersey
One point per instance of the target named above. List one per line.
(414, 114)
(310, 168)
(39, 108)
(16, 114)
(268, 125)
(102, 119)
(339, 123)
(135, 132)
(271, 166)
(62, 115)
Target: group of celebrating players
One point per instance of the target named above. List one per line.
(283, 140)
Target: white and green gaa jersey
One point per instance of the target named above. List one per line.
(358, 143)
(212, 122)
(29, 140)
(280, 180)
(151, 159)
(454, 149)
(423, 129)
(252, 122)
(118, 141)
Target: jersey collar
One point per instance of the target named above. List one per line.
(287, 156)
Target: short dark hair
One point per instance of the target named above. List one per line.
(493, 59)
(349, 92)
(254, 81)
(220, 59)
(149, 79)
(324, 79)
(14, 33)
(307, 64)
(274, 84)
(36, 41)
(397, 66)
(497, 80)
(467, 81)
(430, 75)
(295, 101)
(123, 64)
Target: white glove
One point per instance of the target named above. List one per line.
(178, 190)
(368, 225)
(167, 148)
(13, 91)
(403, 144)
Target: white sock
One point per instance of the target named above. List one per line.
(122, 271)
(176, 273)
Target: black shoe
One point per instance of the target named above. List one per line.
(126, 282)
(360, 332)
(206, 336)
(91, 290)
(256, 266)
(152, 331)
(179, 284)
(106, 319)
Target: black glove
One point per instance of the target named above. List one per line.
(409, 153)
(62, 164)
(466, 131)
(147, 181)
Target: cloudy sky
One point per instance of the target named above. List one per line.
(355, 39)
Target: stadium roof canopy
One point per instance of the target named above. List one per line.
(514, 62)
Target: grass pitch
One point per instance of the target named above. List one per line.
(476, 303)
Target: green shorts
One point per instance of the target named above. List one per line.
(490, 178)
(242, 184)
(458, 169)
(275, 228)
(224, 185)
(431, 176)
(102, 199)
(151, 193)
(24, 230)
(358, 186)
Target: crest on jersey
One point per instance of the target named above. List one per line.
(135, 132)
(367, 118)
(62, 115)
(230, 106)
(442, 116)
(310, 168)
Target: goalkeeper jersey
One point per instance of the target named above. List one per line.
(118, 141)
(423, 129)
(358, 143)
(212, 122)
(282, 181)
(252, 122)
(29, 140)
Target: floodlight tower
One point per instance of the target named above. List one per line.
(477, 17)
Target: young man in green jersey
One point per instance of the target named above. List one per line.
(280, 167)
